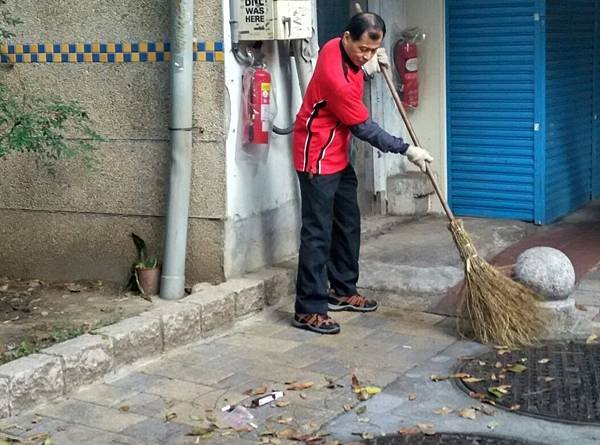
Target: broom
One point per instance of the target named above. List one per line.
(496, 309)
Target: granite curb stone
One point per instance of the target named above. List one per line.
(64, 367)
(133, 338)
(34, 379)
(85, 359)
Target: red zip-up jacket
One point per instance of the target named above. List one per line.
(333, 102)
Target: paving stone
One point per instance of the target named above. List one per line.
(30, 380)
(217, 306)
(134, 338)
(586, 297)
(349, 337)
(281, 374)
(155, 430)
(85, 359)
(255, 342)
(181, 323)
(330, 367)
(249, 294)
(203, 374)
(173, 389)
(590, 285)
(105, 395)
(136, 381)
(219, 398)
(30, 424)
(148, 405)
(77, 435)
(88, 414)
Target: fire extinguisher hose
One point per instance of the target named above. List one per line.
(283, 131)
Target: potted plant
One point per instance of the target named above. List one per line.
(146, 269)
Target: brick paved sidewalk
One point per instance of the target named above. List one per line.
(194, 382)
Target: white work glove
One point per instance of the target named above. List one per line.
(372, 66)
(419, 156)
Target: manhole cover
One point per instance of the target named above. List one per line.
(445, 439)
(554, 381)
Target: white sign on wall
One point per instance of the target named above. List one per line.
(275, 19)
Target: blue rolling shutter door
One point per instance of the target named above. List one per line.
(596, 135)
(491, 107)
(569, 105)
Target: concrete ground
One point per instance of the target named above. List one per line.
(177, 398)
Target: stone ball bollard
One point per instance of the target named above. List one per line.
(546, 270)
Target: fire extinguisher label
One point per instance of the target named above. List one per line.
(412, 64)
(264, 116)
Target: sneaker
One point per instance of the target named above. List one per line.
(323, 324)
(355, 303)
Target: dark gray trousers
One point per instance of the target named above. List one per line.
(329, 239)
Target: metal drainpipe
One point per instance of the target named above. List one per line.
(180, 127)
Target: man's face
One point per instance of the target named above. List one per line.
(362, 50)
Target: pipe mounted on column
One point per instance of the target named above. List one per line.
(180, 128)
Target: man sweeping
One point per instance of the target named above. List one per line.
(331, 111)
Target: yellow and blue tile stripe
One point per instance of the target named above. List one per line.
(103, 52)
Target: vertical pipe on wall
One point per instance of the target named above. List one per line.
(180, 127)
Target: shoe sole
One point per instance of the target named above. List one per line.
(314, 329)
(346, 307)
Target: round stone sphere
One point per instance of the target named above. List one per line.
(546, 270)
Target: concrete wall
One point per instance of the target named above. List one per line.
(76, 224)
(429, 119)
(262, 196)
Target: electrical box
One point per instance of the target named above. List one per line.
(275, 19)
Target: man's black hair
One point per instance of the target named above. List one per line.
(366, 22)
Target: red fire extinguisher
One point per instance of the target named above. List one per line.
(257, 106)
(406, 61)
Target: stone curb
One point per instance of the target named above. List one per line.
(62, 368)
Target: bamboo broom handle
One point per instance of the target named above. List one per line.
(388, 79)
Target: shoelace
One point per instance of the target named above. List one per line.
(318, 319)
(355, 300)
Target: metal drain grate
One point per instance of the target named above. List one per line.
(561, 381)
(445, 439)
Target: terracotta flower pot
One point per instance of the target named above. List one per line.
(149, 280)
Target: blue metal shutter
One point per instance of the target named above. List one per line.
(596, 135)
(569, 105)
(491, 47)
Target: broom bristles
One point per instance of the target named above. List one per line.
(497, 309)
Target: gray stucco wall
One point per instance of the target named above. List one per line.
(76, 224)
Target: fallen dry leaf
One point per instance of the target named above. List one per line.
(73, 287)
(409, 431)
(426, 428)
(592, 339)
(581, 307)
(517, 368)
(124, 408)
(472, 380)
(468, 413)
(347, 408)
(355, 383)
(170, 416)
(262, 389)
(444, 410)
(412, 396)
(282, 403)
(299, 386)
